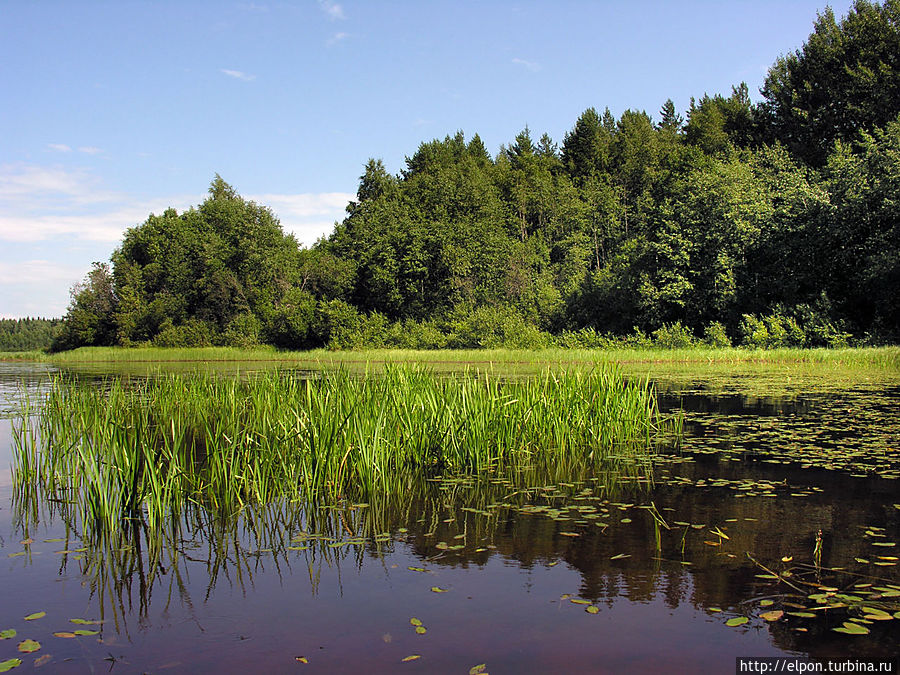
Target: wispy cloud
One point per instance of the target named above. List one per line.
(308, 216)
(332, 9)
(337, 37)
(59, 147)
(239, 75)
(90, 150)
(530, 65)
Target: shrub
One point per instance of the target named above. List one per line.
(715, 335)
(673, 336)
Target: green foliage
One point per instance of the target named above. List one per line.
(633, 233)
(20, 335)
(715, 335)
(845, 79)
(673, 336)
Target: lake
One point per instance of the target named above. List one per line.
(773, 522)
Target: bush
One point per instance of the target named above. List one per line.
(191, 333)
(673, 336)
(493, 327)
(242, 331)
(715, 335)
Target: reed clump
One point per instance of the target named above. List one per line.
(146, 448)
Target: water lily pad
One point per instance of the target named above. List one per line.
(35, 616)
(301, 659)
(9, 664)
(87, 632)
(851, 628)
(15, 555)
(579, 601)
(411, 657)
(477, 670)
(620, 556)
(415, 622)
(416, 569)
(592, 609)
(438, 589)
(28, 646)
(64, 634)
(42, 660)
(737, 621)
(715, 609)
(774, 615)
(421, 630)
(7, 634)
(766, 603)
(86, 622)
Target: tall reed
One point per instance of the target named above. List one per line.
(147, 448)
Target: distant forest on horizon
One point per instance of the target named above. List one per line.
(766, 224)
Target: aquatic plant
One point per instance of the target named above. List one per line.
(146, 448)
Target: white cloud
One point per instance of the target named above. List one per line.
(90, 150)
(332, 9)
(38, 272)
(59, 147)
(307, 216)
(531, 65)
(238, 75)
(54, 222)
(337, 37)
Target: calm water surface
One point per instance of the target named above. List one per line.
(631, 570)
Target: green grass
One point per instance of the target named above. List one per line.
(884, 358)
(147, 447)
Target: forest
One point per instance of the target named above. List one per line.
(766, 224)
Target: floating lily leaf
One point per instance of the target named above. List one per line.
(787, 558)
(715, 609)
(620, 556)
(592, 609)
(477, 670)
(803, 615)
(301, 659)
(35, 616)
(416, 569)
(737, 621)
(767, 576)
(851, 628)
(53, 541)
(565, 596)
(625, 520)
(569, 534)
(415, 622)
(15, 555)
(438, 589)
(9, 664)
(28, 646)
(87, 632)
(421, 630)
(86, 622)
(7, 634)
(40, 661)
(64, 634)
(766, 603)
(774, 615)
(876, 614)
(862, 560)
(579, 601)
(411, 657)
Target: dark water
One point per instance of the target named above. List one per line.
(656, 559)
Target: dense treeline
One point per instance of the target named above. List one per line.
(22, 335)
(768, 224)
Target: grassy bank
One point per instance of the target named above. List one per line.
(154, 444)
(884, 358)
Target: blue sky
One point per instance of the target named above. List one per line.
(114, 110)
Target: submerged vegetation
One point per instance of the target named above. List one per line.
(135, 449)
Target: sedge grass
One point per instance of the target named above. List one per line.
(149, 448)
(870, 358)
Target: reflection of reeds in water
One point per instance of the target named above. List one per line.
(127, 568)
